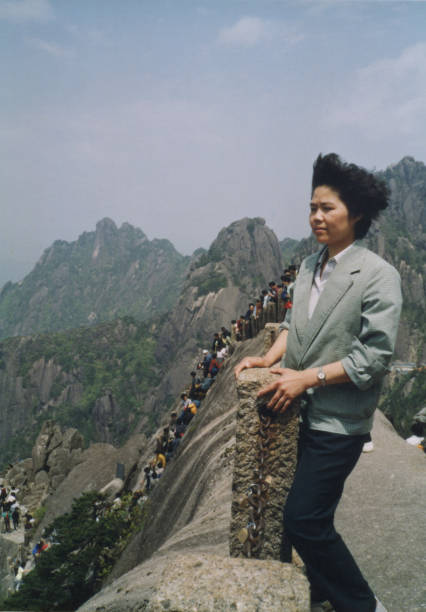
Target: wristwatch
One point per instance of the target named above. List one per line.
(321, 377)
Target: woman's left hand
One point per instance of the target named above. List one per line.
(287, 387)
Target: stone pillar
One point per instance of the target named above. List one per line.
(278, 471)
(270, 312)
(271, 335)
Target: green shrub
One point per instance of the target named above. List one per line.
(86, 542)
(212, 283)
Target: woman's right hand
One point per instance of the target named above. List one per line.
(249, 362)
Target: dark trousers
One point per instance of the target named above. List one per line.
(325, 461)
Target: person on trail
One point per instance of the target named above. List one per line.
(214, 366)
(206, 362)
(147, 471)
(19, 576)
(335, 345)
(15, 517)
(250, 312)
(175, 443)
(189, 412)
(240, 324)
(195, 386)
(207, 383)
(173, 419)
(273, 291)
(6, 517)
(159, 451)
(217, 344)
(234, 330)
(180, 427)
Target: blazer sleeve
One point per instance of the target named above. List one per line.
(286, 322)
(371, 351)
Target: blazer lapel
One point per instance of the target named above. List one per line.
(337, 285)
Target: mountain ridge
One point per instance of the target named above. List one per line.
(102, 275)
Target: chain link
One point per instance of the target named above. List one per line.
(257, 494)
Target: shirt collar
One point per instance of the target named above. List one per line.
(336, 258)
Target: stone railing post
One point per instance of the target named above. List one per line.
(278, 470)
(271, 334)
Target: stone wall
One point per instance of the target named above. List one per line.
(275, 477)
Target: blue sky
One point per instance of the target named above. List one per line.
(181, 116)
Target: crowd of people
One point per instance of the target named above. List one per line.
(10, 509)
(16, 516)
(209, 364)
(277, 298)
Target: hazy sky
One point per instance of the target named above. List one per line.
(181, 116)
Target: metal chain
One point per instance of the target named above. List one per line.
(257, 494)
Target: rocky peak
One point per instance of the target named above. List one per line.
(407, 168)
(92, 279)
(106, 225)
(241, 261)
(106, 232)
(246, 253)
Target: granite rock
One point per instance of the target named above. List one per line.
(208, 583)
(278, 468)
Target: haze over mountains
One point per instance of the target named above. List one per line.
(121, 374)
(104, 274)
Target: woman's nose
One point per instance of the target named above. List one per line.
(317, 214)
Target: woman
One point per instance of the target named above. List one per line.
(336, 344)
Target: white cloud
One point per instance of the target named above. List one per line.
(51, 48)
(25, 10)
(246, 32)
(389, 94)
(250, 31)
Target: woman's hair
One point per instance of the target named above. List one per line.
(363, 193)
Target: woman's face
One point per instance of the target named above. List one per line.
(330, 220)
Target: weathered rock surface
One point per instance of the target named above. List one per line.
(96, 468)
(54, 454)
(241, 261)
(276, 471)
(381, 515)
(9, 551)
(112, 489)
(382, 519)
(76, 377)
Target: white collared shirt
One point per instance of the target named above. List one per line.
(319, 281)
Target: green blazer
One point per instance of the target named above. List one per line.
(355, 321)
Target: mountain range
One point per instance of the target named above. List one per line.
(103, 333)
(103, 275)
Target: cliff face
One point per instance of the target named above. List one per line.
(241, 262)
(400, 237)
(104, 274)
(98, 380)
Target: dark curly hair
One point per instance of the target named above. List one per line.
(363, 193)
